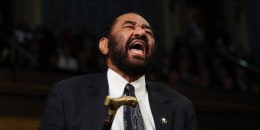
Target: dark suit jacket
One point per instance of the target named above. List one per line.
(78, 104)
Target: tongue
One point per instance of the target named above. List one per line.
(137, 51)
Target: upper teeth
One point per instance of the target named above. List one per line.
(137, 43)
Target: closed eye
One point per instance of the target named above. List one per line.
(129, 26)
(148, 29)
(149, 32)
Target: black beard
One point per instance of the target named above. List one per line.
(119, 57)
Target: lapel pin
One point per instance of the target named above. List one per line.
(163, 120)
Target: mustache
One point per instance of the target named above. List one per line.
(138, 38)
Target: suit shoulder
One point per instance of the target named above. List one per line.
(81, 80)
(85, 77)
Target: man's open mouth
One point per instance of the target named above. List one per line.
(138, 47)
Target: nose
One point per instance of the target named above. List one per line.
(139, 31)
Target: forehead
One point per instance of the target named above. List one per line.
(131, 17)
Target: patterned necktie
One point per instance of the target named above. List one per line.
(132, 116)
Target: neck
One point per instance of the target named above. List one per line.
(129, 78)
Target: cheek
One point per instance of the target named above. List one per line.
(121, 37)
(151, 46)
(116, 45)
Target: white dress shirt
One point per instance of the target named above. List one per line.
(116, 85)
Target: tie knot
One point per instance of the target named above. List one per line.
(129, 90)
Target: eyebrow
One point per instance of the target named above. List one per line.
(129, 22)
(134, 23)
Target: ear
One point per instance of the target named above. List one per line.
(103, 45)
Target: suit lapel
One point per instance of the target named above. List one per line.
(161, 109)
(98, 111)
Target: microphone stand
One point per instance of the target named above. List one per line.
(113, 104)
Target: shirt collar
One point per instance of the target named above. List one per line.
(117, 84)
